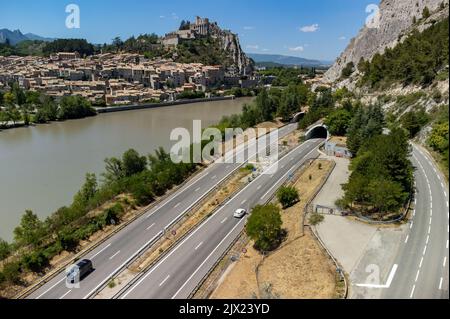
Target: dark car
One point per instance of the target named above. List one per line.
(80, 270)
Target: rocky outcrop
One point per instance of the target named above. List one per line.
(396, 18)
(241, 62)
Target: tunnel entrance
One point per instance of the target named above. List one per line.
(319, 131)
(298, 117)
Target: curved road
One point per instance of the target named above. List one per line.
(421, 266)
(112, 255)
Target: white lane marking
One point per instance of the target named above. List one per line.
(259, 187)
(214, 177)
(428, 239)
(200, 227)
(445, 261)
(198, 246)
(440, 283)
(197, 189)
(417, 275)
(406, 240)
(291, 159)
(110, 258)
(223, 221)
(411, 226)
(421, 262)
(431, 219)
(150, 226)
(201, 265)
(243, 202)
(162, 283)
(62, 279)
(424, 250)
(388, 282)
(101, 251)
(429, 230)
(62, 297)
(121, 266)
(177, 205)
(412, 291)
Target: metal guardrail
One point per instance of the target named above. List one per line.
(227, 250)
(47, 278)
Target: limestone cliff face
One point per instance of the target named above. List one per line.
(241, 63)
(396, 18)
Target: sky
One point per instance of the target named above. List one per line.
(314, 29)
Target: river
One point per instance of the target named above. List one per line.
(42, 167)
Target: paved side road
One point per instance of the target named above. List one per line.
(422, 260)
(113, 254)
(179, 272)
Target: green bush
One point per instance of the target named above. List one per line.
(35, 261)
(287, 196)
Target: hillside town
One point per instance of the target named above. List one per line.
(129, 78)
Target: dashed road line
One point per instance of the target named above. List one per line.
(101, 251)
(149, 227)
(198, 246)
(412, 291)
(162, 283)
(223, 221)
(406, 240)
(445, 261)
(62, 297)
(110, 258)
(440, 283)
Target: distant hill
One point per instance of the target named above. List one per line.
(286, 60)
(15, 37)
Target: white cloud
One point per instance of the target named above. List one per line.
(297, 49)
(253, 47)
(162, 17)
(310, 28)
(249, 28)
(343, 38)
(265, 50)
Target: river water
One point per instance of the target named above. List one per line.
(41, 168)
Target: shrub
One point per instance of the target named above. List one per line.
(264, 227)
(316, 219)
(287, 196)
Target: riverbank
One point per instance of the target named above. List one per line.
(110, 109)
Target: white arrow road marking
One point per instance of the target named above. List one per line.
(388, 283)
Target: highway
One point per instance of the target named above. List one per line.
(420, 269)
(182, 269)
(115, 253)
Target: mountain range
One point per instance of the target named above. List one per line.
(287, 60)
(16, 36)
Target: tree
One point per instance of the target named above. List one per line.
(338, 122)
(287, 196)
(133, 163)
(264, 104)
(414, 121)
(5, 249)
(30, 230)
(426, 13)
(114, 170)
(264, 227)
(74, 107)
(87, 192)
(386, 195)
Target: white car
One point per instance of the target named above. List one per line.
(240, 213)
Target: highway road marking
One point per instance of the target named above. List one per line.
(62, 297)
(428, 239)
(214, 177)
(110, 258)
(62, 279)
(198, 246)
(424, 250)
(388, 282)
(259, 187)
(243, 202)
(223, 221)
(431, 219)
(162, 283)
(421, 262)
(150, 226)
(445, 261)
(177, 205)
(429, 230)
(193, 274)
(197, 189)
(417, 275)
(406, 240)
(440, 283)
(412, 291)
(101, 251)
(447, 244)
(411, 226)
(196, 230)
